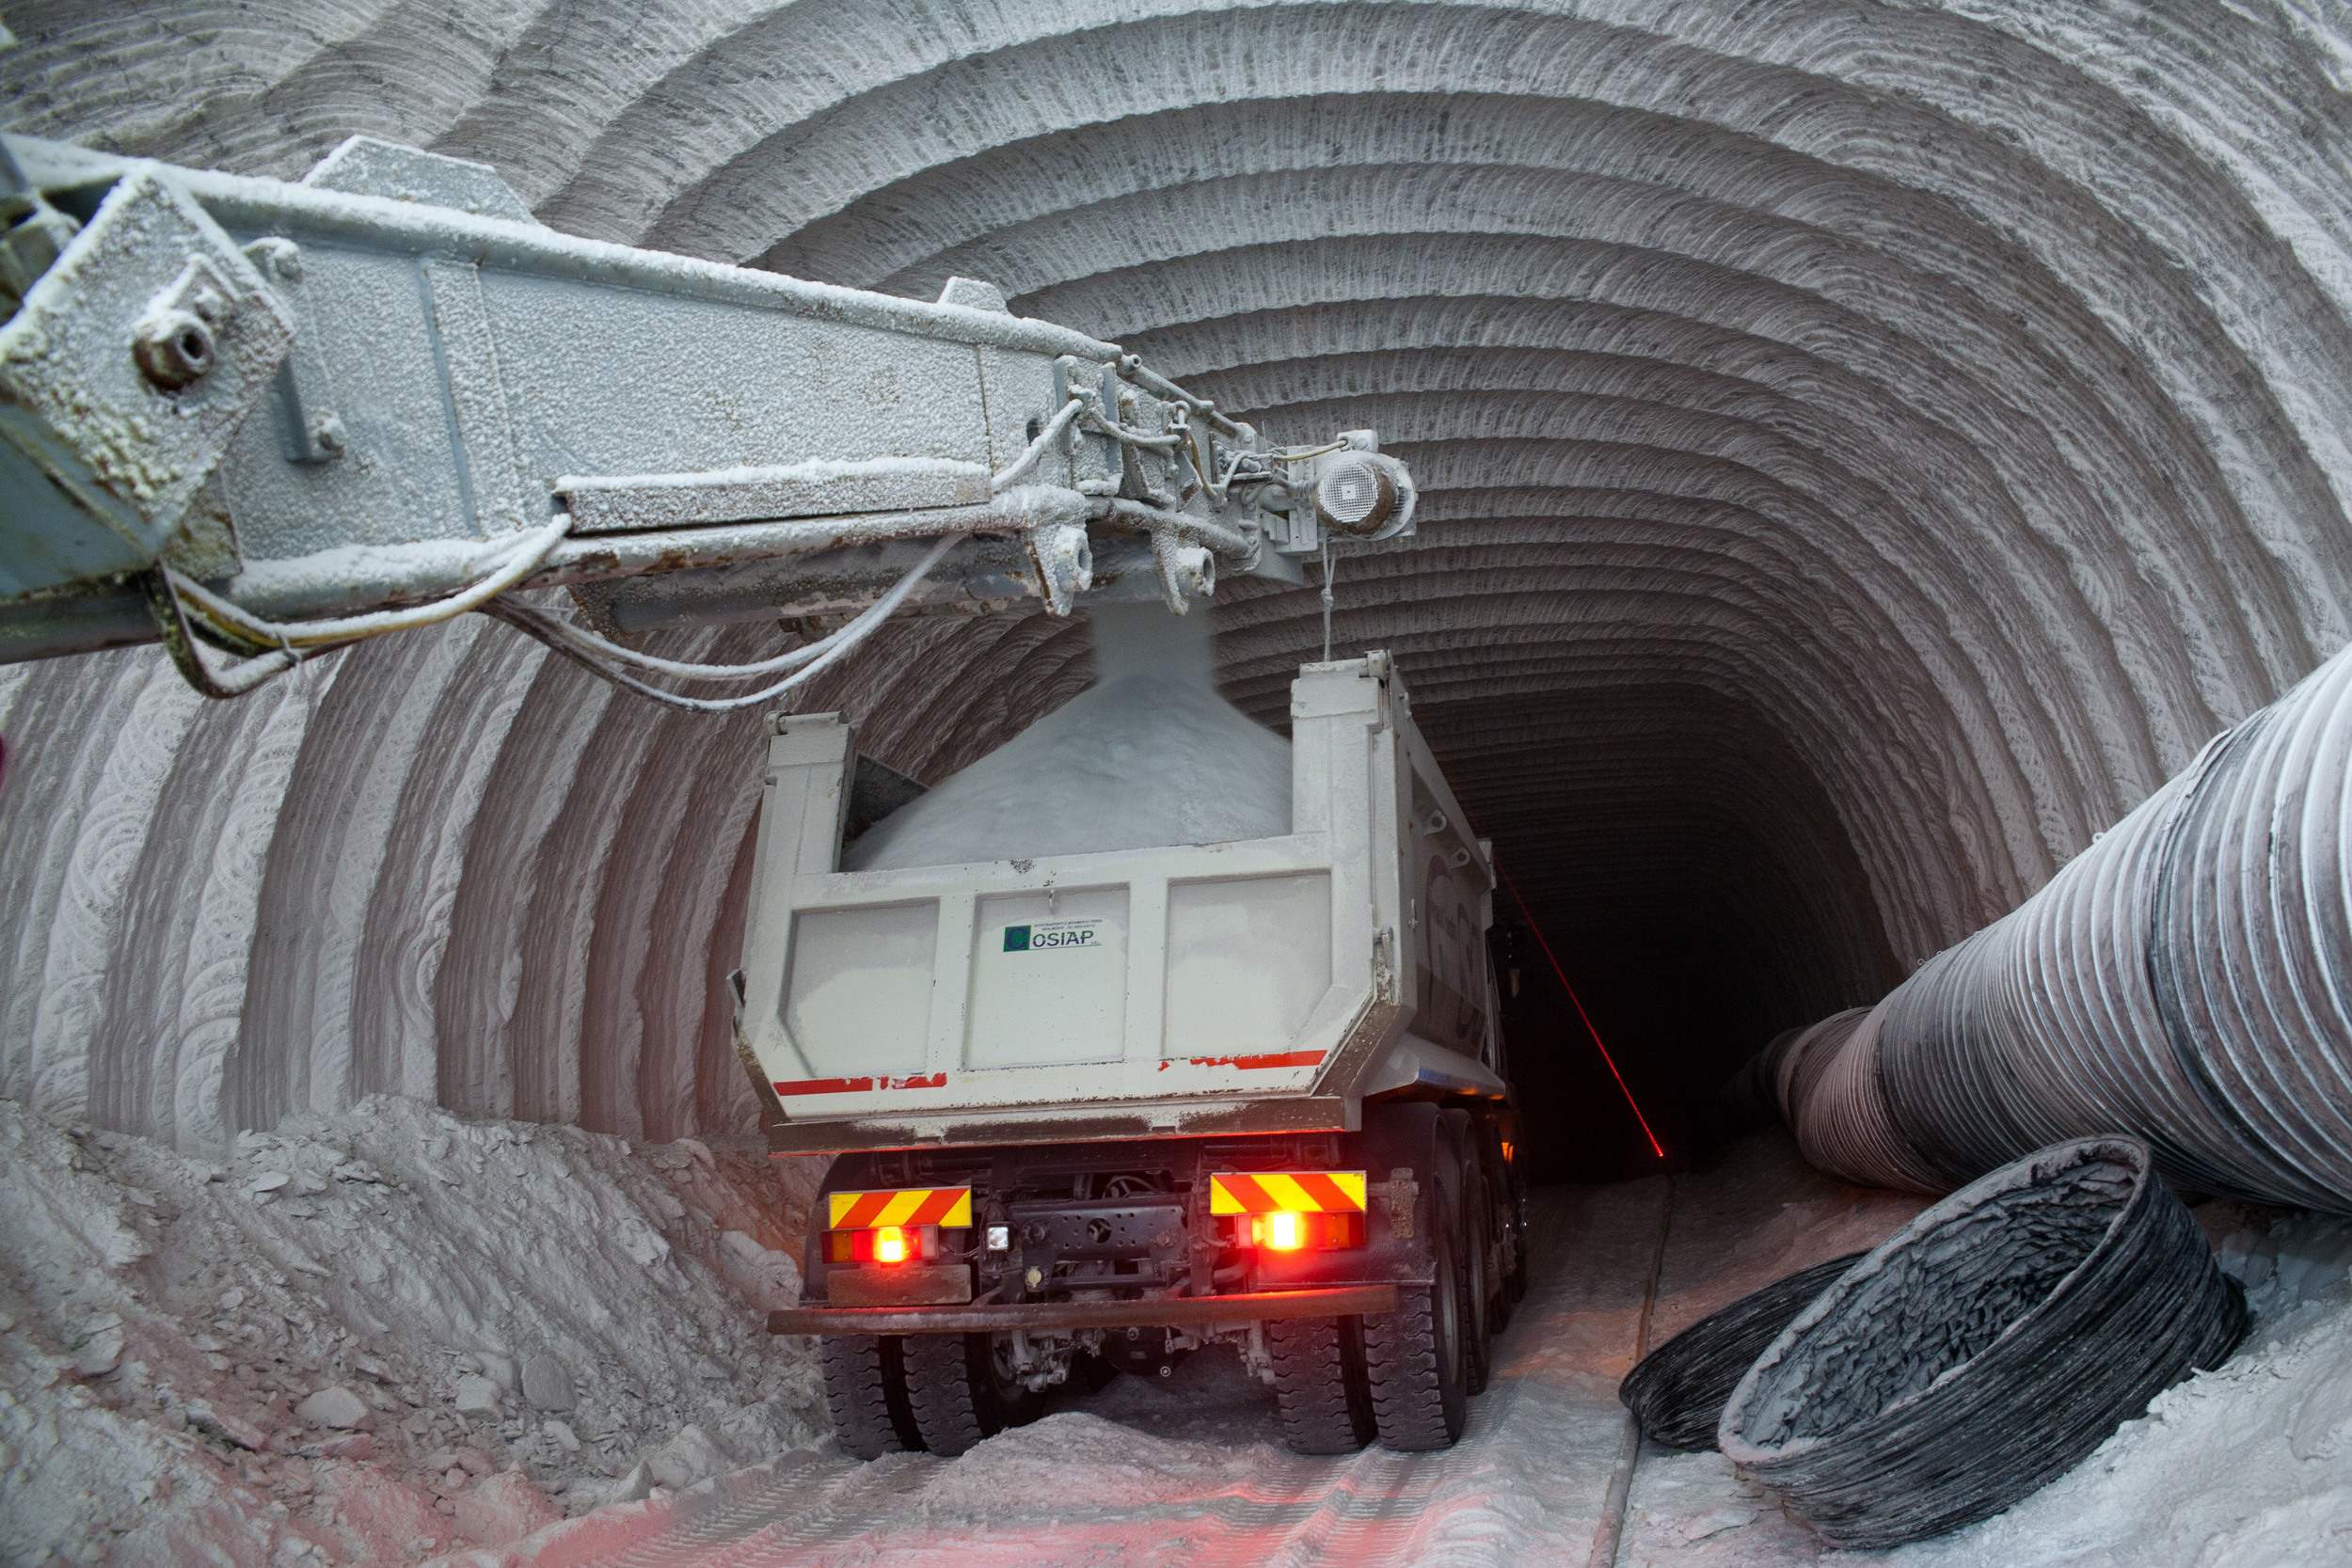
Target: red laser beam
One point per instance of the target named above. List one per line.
(1515, 898)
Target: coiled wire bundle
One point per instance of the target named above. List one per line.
(1677, 1391)
(2187, 979)
(1985, 1348)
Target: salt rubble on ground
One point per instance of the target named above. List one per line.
(368, 1338)
(345, 1343)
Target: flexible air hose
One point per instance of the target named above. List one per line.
(2187, 979)
(1985, 1348)
(1678, 1391)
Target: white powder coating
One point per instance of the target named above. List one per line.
(2248, 1467)
(539, 1322)
(1951, 396)
(1149, 755)
(367, 1337)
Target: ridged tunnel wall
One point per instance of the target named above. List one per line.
(1866, 449)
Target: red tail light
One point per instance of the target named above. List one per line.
(1286, 1231)
(890, 1243)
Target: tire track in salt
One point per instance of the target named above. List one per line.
(1525, 1483)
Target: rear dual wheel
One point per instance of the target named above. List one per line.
(1416, 1361)
(1480, 1287)
(865, 1393)
(961, 1388)
(1515, 1226)
(1320, 1393)
(938, 1393)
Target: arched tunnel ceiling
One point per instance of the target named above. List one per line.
(1866, 447)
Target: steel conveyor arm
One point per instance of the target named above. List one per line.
(258, 419)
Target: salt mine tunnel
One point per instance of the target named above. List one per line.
(1863, 449)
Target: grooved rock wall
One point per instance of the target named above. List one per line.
(1867, 447)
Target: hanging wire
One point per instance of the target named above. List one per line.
(274, 647)
(1018, 470)
(595, 653)
(1326, 601)
(187, 612)
(518, 561)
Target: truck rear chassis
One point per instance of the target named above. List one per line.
(1386, 1339)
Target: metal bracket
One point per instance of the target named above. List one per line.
(1063, 559)
(1401, 1190)
(123, 377)
(365, 166)
(1187, 572)
(308, 429)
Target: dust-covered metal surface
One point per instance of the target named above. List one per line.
(387, 374)
(1179, 927)
(1254, 1306)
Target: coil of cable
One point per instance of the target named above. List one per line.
(1677, 1391)
(1985, 1348)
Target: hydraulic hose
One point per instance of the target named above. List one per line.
(2187, 979)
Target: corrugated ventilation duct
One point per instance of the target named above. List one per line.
(2187, 979)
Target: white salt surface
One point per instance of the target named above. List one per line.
(2236, 1468)
(168, 1326)
(366, 1338)
(1148, 755)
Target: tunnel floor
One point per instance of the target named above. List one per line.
(1193, 1471)
(161, 1317)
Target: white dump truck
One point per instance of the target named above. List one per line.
(1100, 1110)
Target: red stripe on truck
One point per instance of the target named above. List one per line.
(861, 1085)
(866, 1211)
(938, 1206)
(1271, 1058)
(1329, 1195)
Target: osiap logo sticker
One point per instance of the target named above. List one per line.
(1038, 938)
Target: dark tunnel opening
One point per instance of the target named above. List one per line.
(1696, 889)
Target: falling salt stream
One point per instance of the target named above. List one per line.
(1148, 755)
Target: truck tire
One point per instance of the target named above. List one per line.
(1522, 1235)
(957, 1392)
(1509, 1197)
(1319, 1388)
(1413, 1356)
(1479, 1286)
(866, 1394)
